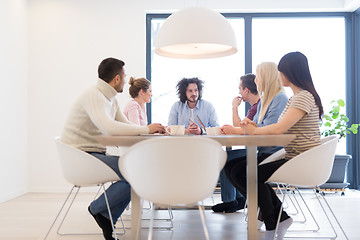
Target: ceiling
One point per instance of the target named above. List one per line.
(269, 5)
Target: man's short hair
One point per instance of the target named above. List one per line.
(109, 68)
(184, 83)
(248, 81)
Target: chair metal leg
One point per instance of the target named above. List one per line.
(337, 221)
(285, 204)
(67, 211)
(296, 206)
(279, 191)
(212, 198)
(97, 193)
(203, 220)
(281, 208)
(47, 234)
(109, 211)
(59, 232)
(307, 207)
(151, 227)
(323, 197)
(170, 219)
(245, 211)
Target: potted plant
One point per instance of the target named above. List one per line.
(336, 122)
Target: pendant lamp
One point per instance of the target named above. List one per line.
(195, 33)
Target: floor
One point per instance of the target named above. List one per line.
(29, 217)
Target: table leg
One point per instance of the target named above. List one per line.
(135, 215)
(252, 193)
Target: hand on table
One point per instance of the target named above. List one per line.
(227, 129)
(193, 129)
(248, 127)
(156, 128)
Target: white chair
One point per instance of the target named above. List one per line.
(310, 169)
(82, 170)
(174, 170)
(280, 154)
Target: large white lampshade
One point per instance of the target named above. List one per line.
(195, 33)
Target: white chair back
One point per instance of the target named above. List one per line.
(82, 169)
(173, 170)
(311, 168)
(280, 154)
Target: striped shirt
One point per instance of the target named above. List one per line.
(307, 129)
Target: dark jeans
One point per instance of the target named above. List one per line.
(268, 202)
(118, 193)
(228, 192)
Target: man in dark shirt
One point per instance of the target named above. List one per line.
(232, 198)
(248, 93)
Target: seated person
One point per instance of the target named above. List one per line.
(140, 91)
(185, 111)
(272, 102)
(97, 112)
(232, 198)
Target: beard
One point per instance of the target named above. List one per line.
(119, 88)
(192, 99)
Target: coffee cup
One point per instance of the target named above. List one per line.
(177, 129)
(213, 131)
(216, 131)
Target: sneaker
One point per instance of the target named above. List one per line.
(104, 224)
(240, 205)
(259, 224)
(283, 227)
(224, 207)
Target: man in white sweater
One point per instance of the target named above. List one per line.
(97, 112)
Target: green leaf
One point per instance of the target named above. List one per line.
(354, 128)
(341, 102)
(327, 124)
(335, 115)
(327, 117)
(344, 118)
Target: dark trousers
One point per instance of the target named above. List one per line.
(268, 202)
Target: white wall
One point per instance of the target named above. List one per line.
(67, 41)
(13, 98)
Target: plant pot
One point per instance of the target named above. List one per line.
(337, 178)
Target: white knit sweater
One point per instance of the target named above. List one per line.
(97, 112)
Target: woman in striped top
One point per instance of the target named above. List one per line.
(300, 117)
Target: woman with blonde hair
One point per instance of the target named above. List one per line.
(140, 91)
(272, 102)
(269, 86)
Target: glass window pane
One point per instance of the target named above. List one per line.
(221, 76)
(322, 40)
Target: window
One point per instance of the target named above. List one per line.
(329, 40)
(322, 40)
(221, 76)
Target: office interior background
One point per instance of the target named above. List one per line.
(50, 51)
